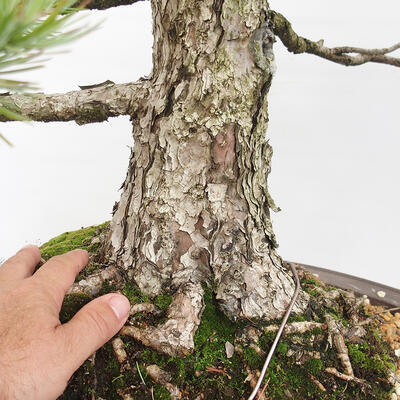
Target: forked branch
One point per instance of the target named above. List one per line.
(349, 56)
(92, 104)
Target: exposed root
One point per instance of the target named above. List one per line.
(345, 377)
(93, 283)
(119, 350)
(122, 357)
(338, 340)
(318, 383)
(164, 378)
(175, 336)
(124, 396)
(297, 327)
(142, 307)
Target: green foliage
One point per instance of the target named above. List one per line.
(27, 29)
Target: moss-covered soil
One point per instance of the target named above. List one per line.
(297, 370)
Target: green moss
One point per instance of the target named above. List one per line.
(370, 360)
(133, 293)
(267, 339)
(107, 287)
(72, 303)
(312, 292)
(309, 281)
(297, 318)
(214, 331)
(214, 323)
(163, 301)
(314, 366)
(160, 393)
(206, 370)
(191, 373)
(252, 358)
(80, 239)
(282, 348)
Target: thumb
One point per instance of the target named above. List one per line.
(92, 326)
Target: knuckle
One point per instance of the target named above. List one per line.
(59, 260)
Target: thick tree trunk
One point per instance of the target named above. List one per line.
(195, 203)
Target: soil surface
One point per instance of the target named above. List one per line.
(342, 347)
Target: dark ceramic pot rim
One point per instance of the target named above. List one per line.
(378, 293)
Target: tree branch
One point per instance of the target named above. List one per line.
(349, 56)
(92, 104)
(104, 4)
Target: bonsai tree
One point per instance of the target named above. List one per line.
(195, 207)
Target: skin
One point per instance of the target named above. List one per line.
(38, 354)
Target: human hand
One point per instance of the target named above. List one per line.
(38, 354)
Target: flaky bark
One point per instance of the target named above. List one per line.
(92, 104)
(195, 203)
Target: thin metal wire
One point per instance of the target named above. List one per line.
(278, 335)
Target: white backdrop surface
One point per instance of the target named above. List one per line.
(334, 130)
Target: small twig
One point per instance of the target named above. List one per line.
(248, 319)
(318, 383)
(297, 327)
(345, 377)
(218, 371)
(345, 55)
(263, 390)
(387, 310)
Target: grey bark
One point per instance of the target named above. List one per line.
(95, 104)
(195, 205)
(345, 55)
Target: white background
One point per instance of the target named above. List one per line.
(335, 132)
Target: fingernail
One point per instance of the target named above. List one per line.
(120, 305)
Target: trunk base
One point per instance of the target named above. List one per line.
(311, 361)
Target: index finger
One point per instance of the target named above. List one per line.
(21, 265)
(58, 274)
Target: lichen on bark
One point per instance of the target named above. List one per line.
(195, 203)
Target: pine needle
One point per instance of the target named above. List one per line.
(140, 374)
